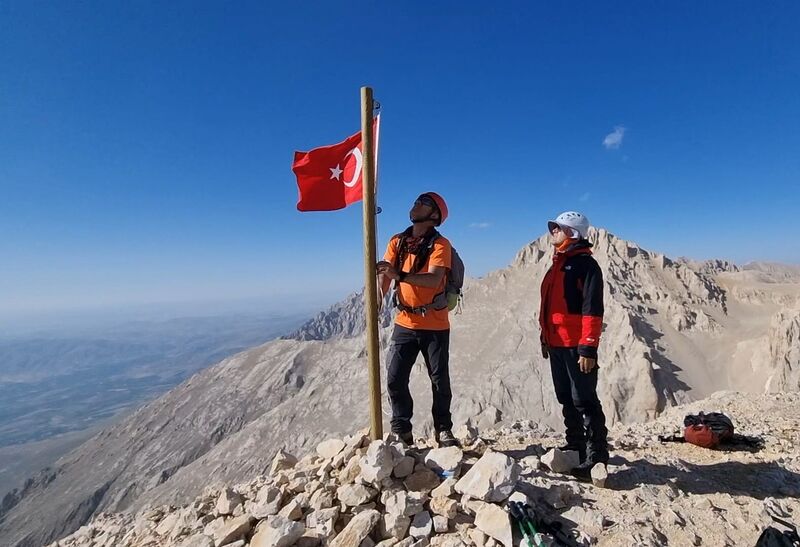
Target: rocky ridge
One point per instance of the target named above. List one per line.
(675, 331)
(354, 493)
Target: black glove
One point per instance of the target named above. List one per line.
(545, 352)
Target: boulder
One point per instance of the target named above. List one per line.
(494, 522)
(353, 495)
(493, 478)
(445, 461)
(357, 529)
(378, 463)
(560, 461)
(277, 531)
(422, 525)
(227, 502)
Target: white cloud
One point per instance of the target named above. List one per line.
(585, 196)
(614, 139)
(480, 225)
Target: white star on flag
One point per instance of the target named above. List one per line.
(335, 172)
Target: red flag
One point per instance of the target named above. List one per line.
(329, 177)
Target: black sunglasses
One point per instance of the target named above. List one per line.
(425, 200)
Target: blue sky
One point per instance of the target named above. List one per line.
(145, 147)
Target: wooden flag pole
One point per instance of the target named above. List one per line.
(370, 273)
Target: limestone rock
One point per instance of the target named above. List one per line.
(492, 478)
(357, 529)
(323, 498)
(560, 461)
(353, 495)
(228, 502)
(447, 540)
(445, 461)
(494, 522)
(401, 502)
(446, 507)
(378, 463)
(422, 525)
(599, 475)
(197, 540)
(351, 470)
(468, 434)
(233, 530)
(277, 531)
(268, 502)
(292, 510)
(477, 536)
(394, 526)
(447, 488)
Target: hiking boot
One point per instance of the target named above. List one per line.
(584, 471)
(406, 438)
(446, 438)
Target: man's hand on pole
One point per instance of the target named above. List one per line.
(388, 270)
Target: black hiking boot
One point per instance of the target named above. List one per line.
(584, 470)
(406, 438)
(446, 438)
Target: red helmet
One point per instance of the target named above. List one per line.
(440, 204)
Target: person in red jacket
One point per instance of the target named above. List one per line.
(571, 318)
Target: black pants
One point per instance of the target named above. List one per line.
(405, 346)
(577, 393)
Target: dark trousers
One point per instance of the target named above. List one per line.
(577, 393)
(405, 346)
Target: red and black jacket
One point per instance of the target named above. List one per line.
(571, 313)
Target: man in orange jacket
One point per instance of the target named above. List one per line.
(417, 260)
(571, 319)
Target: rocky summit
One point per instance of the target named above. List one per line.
(351, 492)
(675, 331)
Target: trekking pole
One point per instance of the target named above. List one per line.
(515, 514)
(526, 526)
(555, 531)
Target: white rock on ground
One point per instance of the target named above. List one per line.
(228, 502)
(599, 475)
(445, 460)
(494, 522)
(277, 531)
(492, 478)
(378, 463)
(561, 461)
(357, 529)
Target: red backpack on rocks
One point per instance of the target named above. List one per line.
(707, 430)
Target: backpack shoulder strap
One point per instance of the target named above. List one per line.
(424, 251)
(399, 256)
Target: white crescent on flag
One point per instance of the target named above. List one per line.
(357, 173)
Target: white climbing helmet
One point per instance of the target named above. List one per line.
(571, 219)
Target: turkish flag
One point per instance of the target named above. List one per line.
(329, 177)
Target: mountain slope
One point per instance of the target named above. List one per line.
(674, 331)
